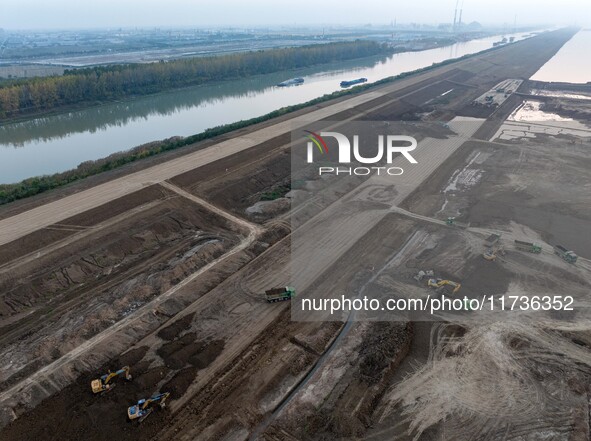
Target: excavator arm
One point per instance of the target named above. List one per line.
(145, 407)
(438, 283)
(103, 384)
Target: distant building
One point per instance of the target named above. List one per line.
(473, 26)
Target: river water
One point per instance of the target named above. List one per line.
(56, 143)
(572, 63)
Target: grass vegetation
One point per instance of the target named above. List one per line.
(32, 186)
(114, 82)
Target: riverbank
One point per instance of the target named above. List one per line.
(386, 50)
(36, 185)
(55, 144)
(248, 331)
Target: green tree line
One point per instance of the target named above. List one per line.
(32, 186)
(106, 83)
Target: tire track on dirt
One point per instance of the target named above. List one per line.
(43, 375)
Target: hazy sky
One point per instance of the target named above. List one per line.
(27, 14)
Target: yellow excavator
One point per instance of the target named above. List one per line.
(492, 253)
(103, 384)
(439, 283)
(145, 407)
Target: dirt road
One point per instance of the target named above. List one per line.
(248, 338)
(24, 223)
(21, 224)
(55, 369)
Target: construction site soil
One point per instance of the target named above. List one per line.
(170, 281)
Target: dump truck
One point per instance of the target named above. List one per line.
(492, 239)
(145, 407)
(103, 384)
(421, 274)
(530, 247)
(279, 294)
(451, 221)
(565, 254)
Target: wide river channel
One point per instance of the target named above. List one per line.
(56, 143)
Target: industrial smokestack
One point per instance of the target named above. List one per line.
(515, 24)
(455, 15)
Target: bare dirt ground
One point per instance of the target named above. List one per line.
(176, 288)
(531, 186)
(64, 297)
